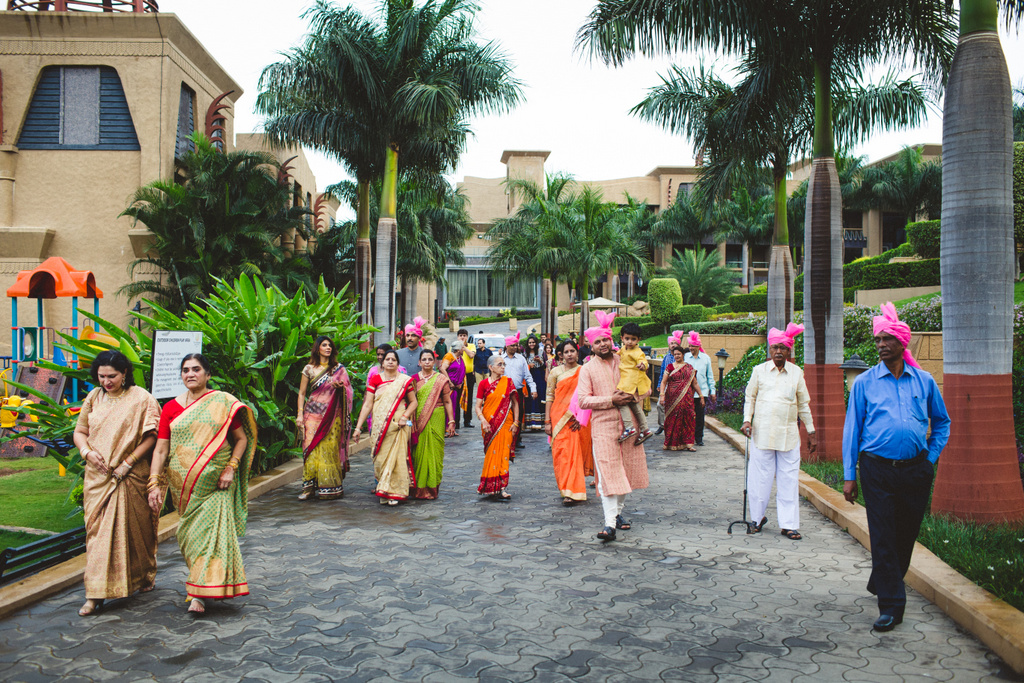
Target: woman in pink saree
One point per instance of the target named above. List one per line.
(323, 422)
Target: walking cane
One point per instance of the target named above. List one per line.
(746, 465)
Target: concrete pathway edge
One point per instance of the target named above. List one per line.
(994, 622)
(34, 588)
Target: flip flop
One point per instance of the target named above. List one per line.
(97, 605)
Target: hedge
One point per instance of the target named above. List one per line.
(758, 303)
(665, 297)
(907, 274)
(745, 326)
(690, 313)
(623, 320)
(647, 330)
(853, 272)
(924, 237)
(1018, 193)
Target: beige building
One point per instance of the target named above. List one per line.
(94, 105)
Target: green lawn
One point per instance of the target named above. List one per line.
(35, 496)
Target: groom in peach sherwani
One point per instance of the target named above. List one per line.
(621, 467)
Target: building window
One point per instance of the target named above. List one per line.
(186, 121)
(480, 288)
(79, 107)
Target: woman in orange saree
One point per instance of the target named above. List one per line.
(323, 422)
(571, 451)
(206, 437)
(392, 398)
(115, 434)
(499, 422)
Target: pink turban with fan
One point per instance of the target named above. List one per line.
(890, 323)
(787, 338)
(695, 340)
(512, 341)
(604, 329)
(677, 337)
(416, 327)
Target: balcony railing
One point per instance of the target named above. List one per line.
(138, 6)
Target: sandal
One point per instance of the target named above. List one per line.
(756, 528)
(305, 495)
(606, 534)
(90, 607)
(621, 523)
(197, 606)
(791, 534)
(392, 501)
(568, 502)
(504, 495)
(147, 589)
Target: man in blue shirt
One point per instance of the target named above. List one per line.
(518, 372)
(701, 363)
(886, 427)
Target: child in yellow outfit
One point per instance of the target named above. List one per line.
(634, 381)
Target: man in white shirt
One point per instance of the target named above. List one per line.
(701, 363)
(518, 371)
(776, 395)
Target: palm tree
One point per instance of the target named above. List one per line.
(1018, 115)
(702, 278)
(908, 185)
(222, 216)
(978, 477)
(406, 83)
(746, 219)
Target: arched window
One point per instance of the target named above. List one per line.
(79, 107)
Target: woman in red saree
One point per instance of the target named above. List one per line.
(391, 396)
(323, 422)
(571, 448)
(678, 384)
(498, 415)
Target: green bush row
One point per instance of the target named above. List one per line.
(1018, 193)
(853, 273)
(758, 303)
(745, 326)
(925, 238)
(647, 330)
(906, 274)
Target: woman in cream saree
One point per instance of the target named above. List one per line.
(392, 398)
(571, 450)
(323, 422)
(115, 434)
(206, 437)
(435, 419)
(498, 415)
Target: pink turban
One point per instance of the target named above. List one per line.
(890, 323)
(677, 337)
(787, 338)
(603, 330)
(416, 327)
(511, 341)
(695, 340)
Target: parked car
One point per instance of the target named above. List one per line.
(495, 342)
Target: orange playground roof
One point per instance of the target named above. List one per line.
(54, 278)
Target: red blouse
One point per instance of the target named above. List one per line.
(173, 409)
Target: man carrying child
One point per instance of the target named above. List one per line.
(633, 380)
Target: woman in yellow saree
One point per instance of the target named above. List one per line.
(391, 396)
(570, 442)
(499, 422)
(115, 434)
(323, 422)
(204, 438)
(435, 419)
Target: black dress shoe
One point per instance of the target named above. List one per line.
(659, 430)
(886, 622)
(700, 443)
(606, 534)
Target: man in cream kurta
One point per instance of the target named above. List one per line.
(776, 395)
(621, 467)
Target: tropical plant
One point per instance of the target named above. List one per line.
(408, 82)
(978, 475)
(702, 279)
(256, 337)
(908, 185)
(745, 219)
(223, 215)
(1018, 115)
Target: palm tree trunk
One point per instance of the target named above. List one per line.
(584, 304)
(780, 267)
(545, 306)
(387, 252)
(363, 251)
(553, 310)
(823, 278)
(978, 477)
(744, 266)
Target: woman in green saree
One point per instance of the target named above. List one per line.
(433, 408)
(205, 437)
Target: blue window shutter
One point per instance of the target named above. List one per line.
(116, 128)
(42, 123)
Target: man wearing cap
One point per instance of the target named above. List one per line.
(409, 355)
(776, 395)
(518, 372)
(886, 431)
(701, 363)
(621, 467)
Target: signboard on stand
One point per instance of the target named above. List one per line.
(169, 348)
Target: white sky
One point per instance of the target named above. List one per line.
(576, 109)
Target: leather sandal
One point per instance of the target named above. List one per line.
(791, 534)
(197, 606)
(606, 534)
(89, 610)
(621, 523)
(756, 528)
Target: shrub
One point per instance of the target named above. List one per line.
(623, 320)
(665, 297)
(723, 308)
(745, 326)
(907, 274)
(925, 237)
(1018, 194)
(737, 378)
(758, 303)
(853, 272)
(691, 313)
(647, 330)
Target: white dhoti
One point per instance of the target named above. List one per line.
(784, 468)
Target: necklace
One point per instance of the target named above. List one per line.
(111, 399)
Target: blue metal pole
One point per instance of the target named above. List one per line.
(74, 356)
(15, 348)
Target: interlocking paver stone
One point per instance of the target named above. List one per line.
(463, 588)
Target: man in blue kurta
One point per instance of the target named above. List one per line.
(886, 431)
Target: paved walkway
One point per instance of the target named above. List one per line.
(467, 589)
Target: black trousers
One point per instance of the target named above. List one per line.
(895, 499)
(698, 411)
(470, 397)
